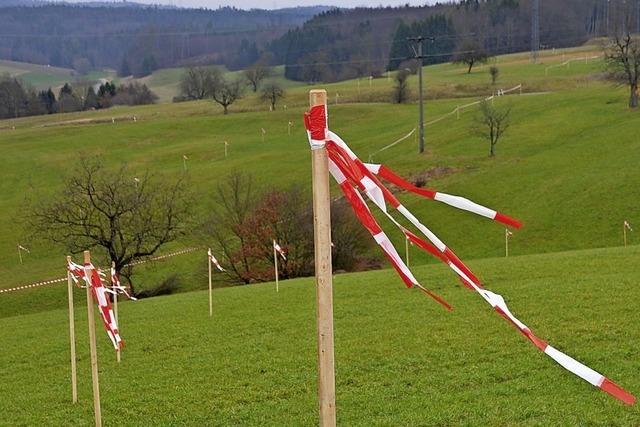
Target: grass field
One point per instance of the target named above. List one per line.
(567, 167)
(42, 77)
(400, 358)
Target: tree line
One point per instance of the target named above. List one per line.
(362, 42)
(18, 99)
(138, 40)
(198, 83)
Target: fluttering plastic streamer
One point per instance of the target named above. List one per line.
(92, 278)
(214, 261)
(352, 175)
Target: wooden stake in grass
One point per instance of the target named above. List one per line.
(226, 149)
(507, 234)
(275, 265)
(115, 312)
(324, 286)
(92, 344)
(626, 226)
(210, 290)
(406, 249)
(72, 337)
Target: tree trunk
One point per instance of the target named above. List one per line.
(226, 109)
(633, 98)
(470, 67)
(492, 151)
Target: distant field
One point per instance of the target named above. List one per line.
(564, 166)
(42, 77)
(441, 81)
(400, 358)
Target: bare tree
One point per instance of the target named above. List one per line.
(470, 53)
(623, 59)
(271, 93)
(226, 92)
(492, 124)
(400, 92)
(234, 200)
(494, 72)
(255, 74)
(126, 219)
(197, 82)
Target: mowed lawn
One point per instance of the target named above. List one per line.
(567, 167)
(400, 358)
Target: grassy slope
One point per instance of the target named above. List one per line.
(566, 167)
(42, 77)
(400, 359)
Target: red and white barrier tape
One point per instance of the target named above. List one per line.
(351, 174)
(54, 281)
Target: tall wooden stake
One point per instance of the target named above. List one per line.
(324, 286)
(20, 254)
(275, 266)
(506, 243)
(624, 233)
(406, 250)
(92, 346)
(210, 290)
(115, 313)
(72, 337)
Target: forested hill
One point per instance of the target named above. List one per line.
(344, 43)
(140, 39)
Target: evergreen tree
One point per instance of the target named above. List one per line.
(91, 100)
(125, 70)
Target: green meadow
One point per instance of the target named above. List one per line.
(566, 167)
(400, 358)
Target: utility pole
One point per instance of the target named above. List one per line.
(535, 30)
(638, 16)
(417, 54)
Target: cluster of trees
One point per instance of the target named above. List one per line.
(124, 219)
(139, 40)
(19, 100)
(245, 221)
(365, 42)
(199, 83)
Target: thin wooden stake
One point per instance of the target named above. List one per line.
(92, 346)
(275, 265)
(506, 243)
(72, 337)
(115, 313)
(324, 286)
(210, 290)
(624, 233)
(406, 250)
(226, 148)
(20, 254)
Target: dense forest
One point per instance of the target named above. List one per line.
(137, 40)
(341, 44)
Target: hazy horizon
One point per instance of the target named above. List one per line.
(270, 4)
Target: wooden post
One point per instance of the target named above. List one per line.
(115, 312)
(275, 265)
(624, 233)
(506, 243)
(210, 291)
(406, 249)
(72, 337)
(20, 254)
(324, 287)
(92, 347)
(226, 147)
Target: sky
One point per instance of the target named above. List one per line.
(276, 4)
